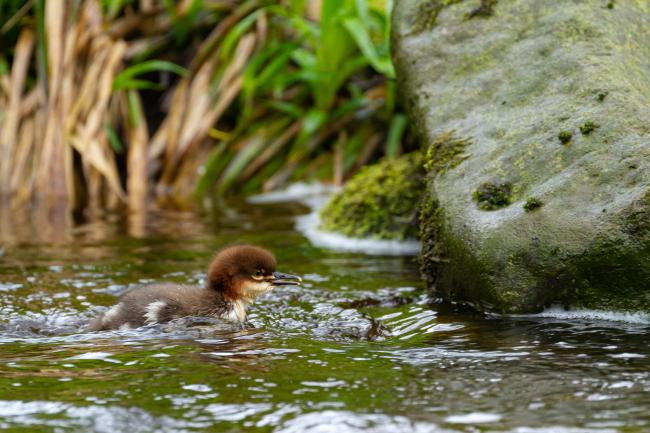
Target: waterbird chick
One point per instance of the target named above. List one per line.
(236, 276)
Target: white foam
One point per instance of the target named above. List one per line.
(626, 355)
(295, 192)
(101, 356)
(6, 287)
(473, 418)
(315, 196)
(338, 421)
(25, 415)
(309, 226)
(582, 314)
(327, 384)
(198, 387)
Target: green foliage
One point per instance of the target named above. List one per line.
(113, 7)
(314, 87)
(126, 79)
(333, 76)
(113, 138)
(381, 201)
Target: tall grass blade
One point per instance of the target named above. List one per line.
(395, 134)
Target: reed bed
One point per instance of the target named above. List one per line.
(113, 104)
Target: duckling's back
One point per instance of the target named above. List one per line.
(158, 303)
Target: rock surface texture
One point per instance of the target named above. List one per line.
(548, 201)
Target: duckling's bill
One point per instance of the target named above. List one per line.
(282, 279)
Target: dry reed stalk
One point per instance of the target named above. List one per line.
(84, 122)
(17, 16)
(5, 87)
(140, 46)
(36, 155)
(369, 149)
(261, 28)
(198, 102)
(209, 46)
(19, 184)
(51, 185)
(165, 137)
(202, 111)
(147, 6)
(272, 149)
(30, 102)
(183, 186)
(279, 178)
(11, 123)
(137, 180)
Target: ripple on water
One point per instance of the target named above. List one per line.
(98, 419)
(331, 421)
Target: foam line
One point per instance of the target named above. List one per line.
(315, 196)
(582, 314)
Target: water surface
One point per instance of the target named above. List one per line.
(360, 348)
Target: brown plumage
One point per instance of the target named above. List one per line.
(236, 276)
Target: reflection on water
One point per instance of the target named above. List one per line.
(360, 347)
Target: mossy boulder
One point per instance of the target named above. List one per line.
(550, 203)
(380, 201)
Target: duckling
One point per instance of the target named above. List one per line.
(236, 276)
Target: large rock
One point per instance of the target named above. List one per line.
(547, 196)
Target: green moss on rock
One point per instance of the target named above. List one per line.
(588, 127)
(381, 201)
(532, 203)
(493, 195)
(432, 248)
(565, 137)
(445, 153)
(637, 217)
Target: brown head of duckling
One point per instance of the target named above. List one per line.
(244, 272)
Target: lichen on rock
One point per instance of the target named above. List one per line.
(381, 201)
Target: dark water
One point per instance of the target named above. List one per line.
(360, 348)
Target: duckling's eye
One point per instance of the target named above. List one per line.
(258, 273)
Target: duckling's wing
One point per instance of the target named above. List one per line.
(156, 303)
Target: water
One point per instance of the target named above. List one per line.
(360, 348)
